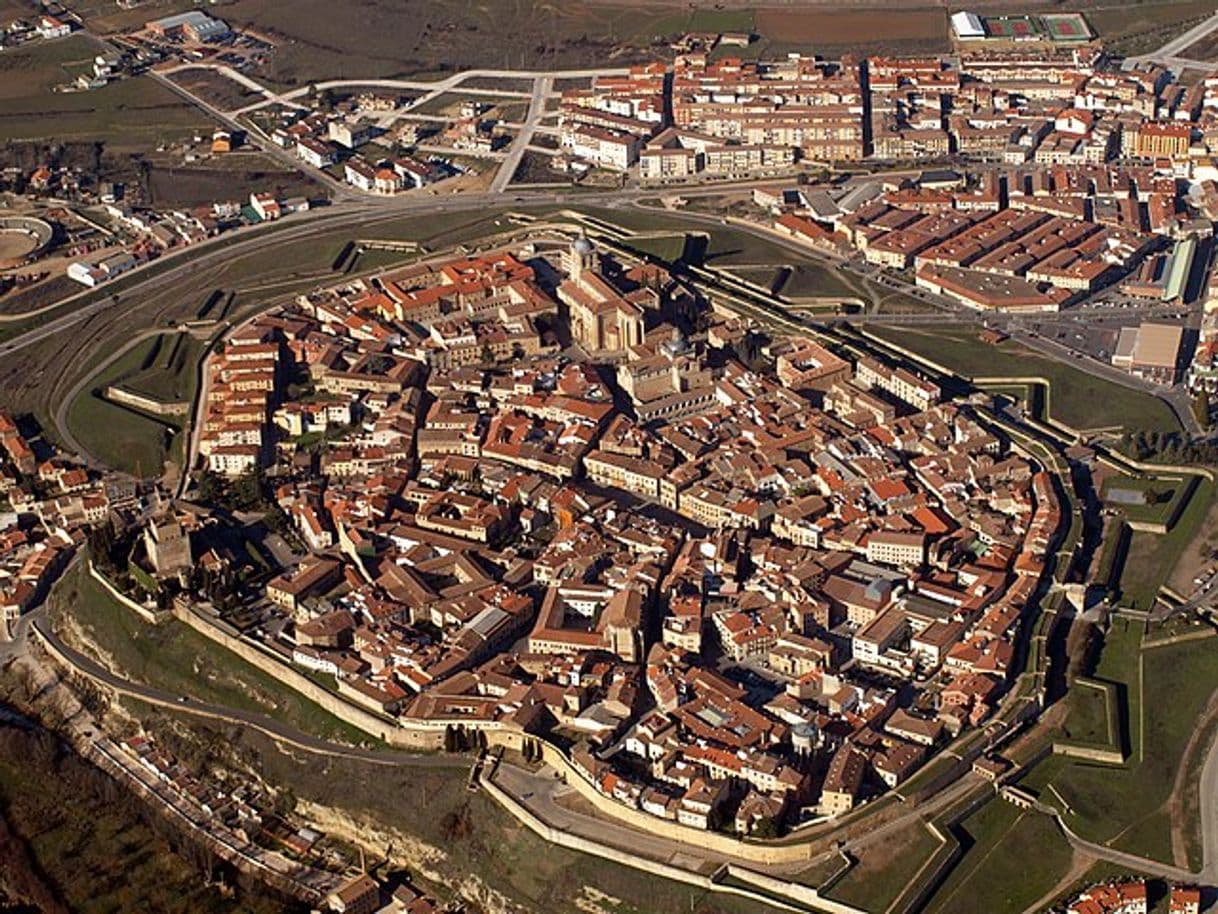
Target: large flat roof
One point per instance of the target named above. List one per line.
(1158, 345)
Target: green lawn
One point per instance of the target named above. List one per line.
(1088, 718)
(119, 436)
(1015, 859)
(1163, 496)
(1152, 557)
(1125, 805)
(803, 280)
(666, 247)
(171, 374)
(175, 658)
(1076, 398)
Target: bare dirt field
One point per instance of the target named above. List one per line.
(15, 244)
(214, 88)
(1205, 49)
(387, 38)
(847, 26)
(1138, 28)
(234, 178)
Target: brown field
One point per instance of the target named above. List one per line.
(388, 38)
(839, 27)
(215, 88)
(235, 179)
(40, 66)
(1138, 28)
(15, 244)
(1205, 49)
(15, 9)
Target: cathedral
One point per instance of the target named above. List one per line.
(603, 319)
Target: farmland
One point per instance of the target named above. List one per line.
(859, 30)
(131, 114)
(1136, 28)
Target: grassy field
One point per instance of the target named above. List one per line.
(1127, 806)
(1076, 398)
(167, 372)
(119, 436)
(1088, 719)
(1163, 497)
(66, 826)
(1015, 859)
(131, 114)
(885, 869)
(1152, 557)
(811, 280)
(177, 659)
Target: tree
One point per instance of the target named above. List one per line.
(285, 801)
(248, 489)
(766, 827)
(1201, 408)
(210, 486)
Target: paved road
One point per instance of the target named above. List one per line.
(1208, 790)
(1170, 53)
(1132, 861)
(340, 189)
(542, 86)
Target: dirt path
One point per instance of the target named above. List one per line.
(1183, 803)
(1080, 862)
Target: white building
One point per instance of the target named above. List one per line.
(967, 26)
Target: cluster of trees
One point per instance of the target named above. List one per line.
(458, 739)
(55, 788)
(531, 751)
(110, 548)
(245, 493)
(221, 586)
(1168, 447)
